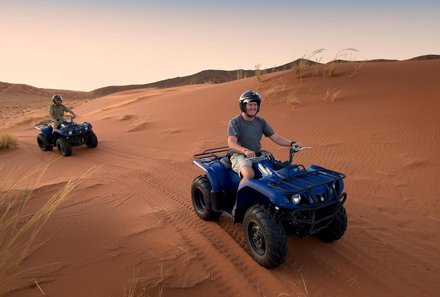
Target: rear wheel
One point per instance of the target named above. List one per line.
(201, 199)
(336, 229)
(92, 140)
(43, 143)
(265, 237)
(64, 147)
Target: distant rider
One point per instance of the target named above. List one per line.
(57, 110)
(245, 132)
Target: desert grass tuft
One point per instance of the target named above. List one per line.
(268, 93)
(332, 96)
(348, 55)
(241, 74)
(303, 64)
(7, 140)
(259, 74)
(292, 100)
(126, 117)
(18, 231)
(356, 69)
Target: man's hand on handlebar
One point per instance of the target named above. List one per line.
(248, 153)
(296, 144)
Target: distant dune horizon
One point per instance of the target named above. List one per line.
(201, 77)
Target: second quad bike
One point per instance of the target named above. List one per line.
(69, 134)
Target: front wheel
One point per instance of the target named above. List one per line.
(92, 140)
(43, 143)
(336, 228)
(64, 147)
(265, 237)
(201, 199)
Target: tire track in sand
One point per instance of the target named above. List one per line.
(220, 244)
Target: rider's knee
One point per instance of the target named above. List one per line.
(247, 172)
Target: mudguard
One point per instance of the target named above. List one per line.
(221, 179)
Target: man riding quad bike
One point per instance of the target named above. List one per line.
(67, 135)
(283, 198)
(63, 134)
(269, 197)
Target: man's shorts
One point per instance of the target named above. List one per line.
(238, 161)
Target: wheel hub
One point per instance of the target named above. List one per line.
(257, 239)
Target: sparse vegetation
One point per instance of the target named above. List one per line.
(292, 100)
(303, 64)
(7, 140)
(332, 96)
(139, 124)
(356, 69)
(126, 117)
(259, 74)
(268, 93)
(18, 231)
(347, 54)
(241, 74)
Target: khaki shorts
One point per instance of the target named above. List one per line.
(238, 161)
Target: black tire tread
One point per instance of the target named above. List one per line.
(43, 144)
(92, 140)
(201, 183)
(64, 147)
(275, 235)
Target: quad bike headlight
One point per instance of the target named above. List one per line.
(296, 199)
(70, 132)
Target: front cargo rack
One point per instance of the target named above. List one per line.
(305, 180)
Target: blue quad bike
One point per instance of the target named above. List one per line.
(69, 134)
(283, 199)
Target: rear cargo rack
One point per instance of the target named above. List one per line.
(212, 153)
(290, 187)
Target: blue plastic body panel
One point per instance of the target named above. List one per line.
(271, 186)
(46, 130)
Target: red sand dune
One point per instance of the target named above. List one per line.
(133, 218)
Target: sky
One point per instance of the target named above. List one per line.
(83, 45)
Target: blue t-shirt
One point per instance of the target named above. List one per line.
(249, 133)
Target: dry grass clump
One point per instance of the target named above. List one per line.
(332, 96)
(241, 74)
(18, 231)
(356, 69)
(303, 64)
(292, 100)
(259, 74)
(7, 140)
(268, 93)
(347, 54)
(126, 117)
(139, 124)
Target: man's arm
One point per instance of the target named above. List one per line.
(236, 148)
(280, 140)
(66, 109)
(52, 113)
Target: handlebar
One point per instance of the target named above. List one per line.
(294, 149)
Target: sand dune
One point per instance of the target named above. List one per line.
(132, 219)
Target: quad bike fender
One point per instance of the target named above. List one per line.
(254, 192)
(219, 177)
(46, 130)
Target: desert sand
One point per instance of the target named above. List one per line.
(129, 225)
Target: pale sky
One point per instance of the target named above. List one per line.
(84, 45)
